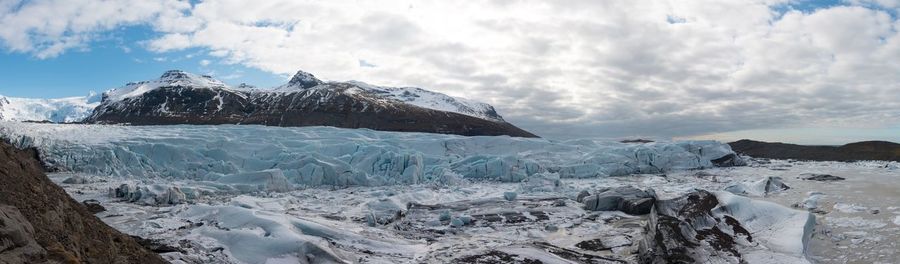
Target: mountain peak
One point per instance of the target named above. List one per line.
(174, 74)
(170, 78)
(304, 80)
(179, 77)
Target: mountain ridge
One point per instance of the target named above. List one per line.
(179, 97)
(864, 150)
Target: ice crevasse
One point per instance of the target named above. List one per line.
(314, 156)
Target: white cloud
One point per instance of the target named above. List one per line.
(48, 28)
(877, 3)
(204, 63)
(599, 68)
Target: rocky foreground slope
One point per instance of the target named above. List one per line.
(182, 98)
(867, 150)
(40, 223)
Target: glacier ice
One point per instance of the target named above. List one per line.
(60, 110)
(436, 224)
(811, 202)
(154, 194)
(271, 158)
(779, 228)
(541, 182)
(761, 187)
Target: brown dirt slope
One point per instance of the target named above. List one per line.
(40, 223)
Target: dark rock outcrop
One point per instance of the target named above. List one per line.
(17, 244)
(730, 160)
(820, 177)
(44, 225)
(684, 230)
(867, 150)
(495, 256)
(304, 101)
(627, 199)
(639, 140)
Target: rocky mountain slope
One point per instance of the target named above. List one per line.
(867, 150)
(40, 223)
(178, 97)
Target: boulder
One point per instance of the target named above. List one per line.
(155, 194)
(77, 179)
(627, 199)
(820, 177)
(581, 195)
(93, 206)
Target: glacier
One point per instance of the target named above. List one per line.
(60, 110)
(258, 194)
(315, 156)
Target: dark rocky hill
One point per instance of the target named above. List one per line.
(867, 150)
(40, 223)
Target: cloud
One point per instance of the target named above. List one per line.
(50, 27)
(560, 68)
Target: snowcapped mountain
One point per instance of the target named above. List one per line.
(61, 110)
(432, 100)
(178, 97)
(168, 79)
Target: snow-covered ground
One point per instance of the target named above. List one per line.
(253, 194)
(434, 223)
(857, 217)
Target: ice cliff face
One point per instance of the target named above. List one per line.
(62, 110)
(314, 156)
(183, 98)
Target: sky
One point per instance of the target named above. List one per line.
(811, 72)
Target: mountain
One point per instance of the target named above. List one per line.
(179, 97)
(866, 150)
(40, 223)
(62, 110)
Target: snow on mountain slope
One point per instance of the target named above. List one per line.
(75, 109)
(409, 95)
(172, 78)
(432, 100)
(183, 98)
(314, 156)
(61, 110)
